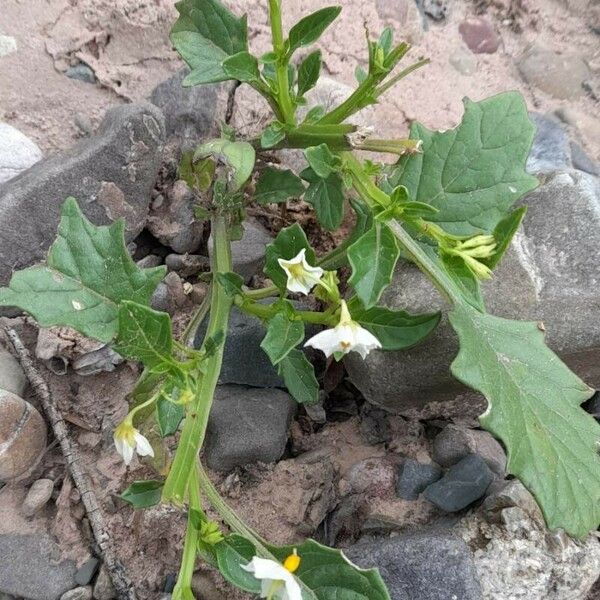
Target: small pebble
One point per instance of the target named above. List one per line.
(78, 593)
(414, 477)
(84, 124)
(464, 483)
(8, 45)
(170, 581)
(152, 260)
(103, 588)
(12, 377)
(37, 496)
(86, 572)
(479, 35)
(81, 72)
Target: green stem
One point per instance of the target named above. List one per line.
(283, 84)
(399, 147)
(401, 75)
(261, 293)
(197, 414)
(190, 545)
(266, 312)
(189, 334)
(352, 104)
(364, 184)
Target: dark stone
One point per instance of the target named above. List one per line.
(86, 572)
(81, 72)
(414, 477)
(30, 567)
(247, 425)
(375, 425)
(593, 406)
(464, 483)
(550, 150)
(582, 161)
(421, 566)
(170, 581)
(111, 175)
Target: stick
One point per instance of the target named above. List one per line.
(123, 585)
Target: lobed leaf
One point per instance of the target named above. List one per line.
(277, 185)
(87, 275)
(299, 377)
(168, 416)
(143, 494)
(282, 336)
(327, 198)
(242, 66)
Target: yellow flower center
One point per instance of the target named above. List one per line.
(292, 562)
(125, 431)
(297, 270)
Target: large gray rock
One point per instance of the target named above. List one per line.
(31, 567)
(423, 566)
(247, 425)
(548, 274)
(551, 150)
(12, 377)
(110, 174)
(17, 152)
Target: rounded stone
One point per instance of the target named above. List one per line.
(22, 436)
(12, 378)
(37, 496)
(479, 35)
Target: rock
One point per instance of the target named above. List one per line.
(86, 572)
(593, 406)
(84, 124)
(203, 586)
(479, 35)
(97, 361)
(437, 10)
(22, 437)
(525, 560)
(78, 593)
(454, 442)
(374, 477)
(192, 114)
(103, 588)
(582, 161)
(404, 16)
(544, 276)
(427, 566)
(187, 265)
(375, 425)
(160, 298)
(37, 497)
(513, 494)
(464, 483)
(31, 567)
(149, 261)
(8, 45)
(550, 151)
(81, 72)
(17, 152)
(560, 75)
(111, 174)
(12, 377)
(463, 61)
(173, 222)
(247, 425)
(248, 254)
(414, 477)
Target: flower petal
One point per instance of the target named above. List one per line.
(327, 341)
(128, 453)
(292, 588)
(142, 445)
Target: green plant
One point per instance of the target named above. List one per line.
(444, 205)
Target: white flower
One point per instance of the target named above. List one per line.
(277, 581)
(301, 277)
(129, 440)
(345, 337)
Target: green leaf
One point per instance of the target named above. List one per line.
(232, 283)
(464, 280)
(282, 336)
(240, 156)
(309, 72)
(205, 34)
(286, 245)
(322, 161)
(326, 196)
(87, 274)
(503, 234)
(277, 185)
(475, 172)
(144, 334)
(168, 416)
(299, 377)
(395, 329)
(272, 135)
(310, 28)
(534, 408)
(199, 175)
(373, 259)
(233, 552)
(143, 494)
(242, 66)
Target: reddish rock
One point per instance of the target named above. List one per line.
(479, 35)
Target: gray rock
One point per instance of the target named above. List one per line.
(248, 254)
(8, 45)
(560, 75)
(78, 593)
(247, 425)
(187, 265)
(103, 588)
(160, 298)
(545, 276)
(22, 437)
(173, 221)
(436, 10)
(86, 572)
(97, 361)
(454, 442)
(111, 175)
(550, 151)
(423, 566)
(464, 483)
(413, 477)
(191, 113)
(12, 377)
(152, 260)
(17, 152)
(463, 61)
(37, 497)
(81, 72)
(593, 406)
(375, 425)
(582, 161)
(243, 340)
(31, 567)
(513, 494)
